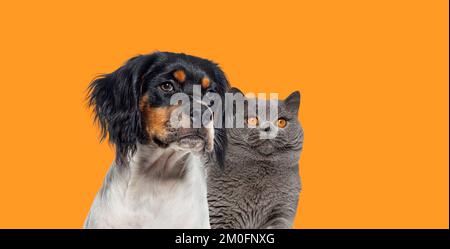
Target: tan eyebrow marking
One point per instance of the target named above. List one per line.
(205, 82)
(179, 75)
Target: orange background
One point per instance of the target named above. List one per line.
(373, 77)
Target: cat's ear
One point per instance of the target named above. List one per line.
(292, 102)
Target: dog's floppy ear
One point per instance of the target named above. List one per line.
(115, 100)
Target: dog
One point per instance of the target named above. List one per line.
(158, 177)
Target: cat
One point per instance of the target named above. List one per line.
(259, 185)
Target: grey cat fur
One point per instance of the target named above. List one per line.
(260, 184)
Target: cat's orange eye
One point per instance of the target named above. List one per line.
(281, 122)
(252, 121)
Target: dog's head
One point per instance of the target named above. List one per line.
(133, 104)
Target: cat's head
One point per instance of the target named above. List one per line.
(269, 134)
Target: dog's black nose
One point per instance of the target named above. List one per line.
(196, 115)
(200, 115)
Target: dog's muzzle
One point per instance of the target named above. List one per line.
(192, 129)
(192, 139)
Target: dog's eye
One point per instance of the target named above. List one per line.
(166, 87)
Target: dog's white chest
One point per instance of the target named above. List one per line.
(146, 201)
